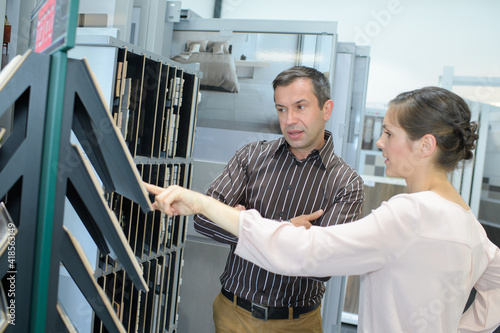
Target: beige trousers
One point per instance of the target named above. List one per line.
(230, 318)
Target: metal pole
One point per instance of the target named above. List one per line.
(217, 8)
(50, 158)
(48, 184)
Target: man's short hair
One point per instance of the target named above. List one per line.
(321, 85)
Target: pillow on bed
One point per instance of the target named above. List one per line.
(218, 47)
(199, 45)
(194, 48)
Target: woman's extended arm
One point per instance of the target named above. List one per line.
(318, 251)
(175, 200)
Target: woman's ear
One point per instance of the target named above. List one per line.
(428, 145)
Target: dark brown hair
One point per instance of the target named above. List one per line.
(442, 113)
(321, 86)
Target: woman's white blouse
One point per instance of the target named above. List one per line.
(418, 255)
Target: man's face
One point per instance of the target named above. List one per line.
(301, 119)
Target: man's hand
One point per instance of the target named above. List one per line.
(304, 220)
(240, 207)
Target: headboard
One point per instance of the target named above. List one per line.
(215, 47)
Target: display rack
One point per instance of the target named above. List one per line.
(136, 287)
(25, 91)
(153, 102)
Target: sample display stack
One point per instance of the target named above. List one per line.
(136, 284)
(154, 107)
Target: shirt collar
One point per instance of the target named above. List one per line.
(326, 152)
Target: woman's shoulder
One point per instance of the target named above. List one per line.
(425, 203)
(429, 199)
(435, 216)
(423, 196)
(405, 202)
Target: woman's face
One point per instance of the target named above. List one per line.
(397, 148)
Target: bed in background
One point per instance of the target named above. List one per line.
(216, 63)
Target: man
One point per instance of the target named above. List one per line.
(295, 175)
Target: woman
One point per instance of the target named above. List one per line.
(419, 254)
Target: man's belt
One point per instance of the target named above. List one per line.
(263, 312)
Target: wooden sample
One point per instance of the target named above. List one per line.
(87, 185)
(4, 321)
(101, 140)
(78, 266)
(65, 324)
(7, 228)
(2, 134)
(161, 114)
(11, 68)
(149, 104)
(135, 72)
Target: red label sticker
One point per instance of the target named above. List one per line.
(45, 26)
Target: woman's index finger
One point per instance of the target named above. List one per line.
(153, 189)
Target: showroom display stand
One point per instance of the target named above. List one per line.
(153, 102)
(21, 180)
(136, 286)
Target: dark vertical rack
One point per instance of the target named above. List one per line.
(101, 148)
(154, 106)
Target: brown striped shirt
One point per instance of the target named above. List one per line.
(267, 177)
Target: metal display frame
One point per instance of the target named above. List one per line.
(28, 93)
(103, 53)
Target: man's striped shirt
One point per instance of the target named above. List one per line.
(267, 177)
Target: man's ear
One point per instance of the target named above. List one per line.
(428, 145)
(327, 109)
